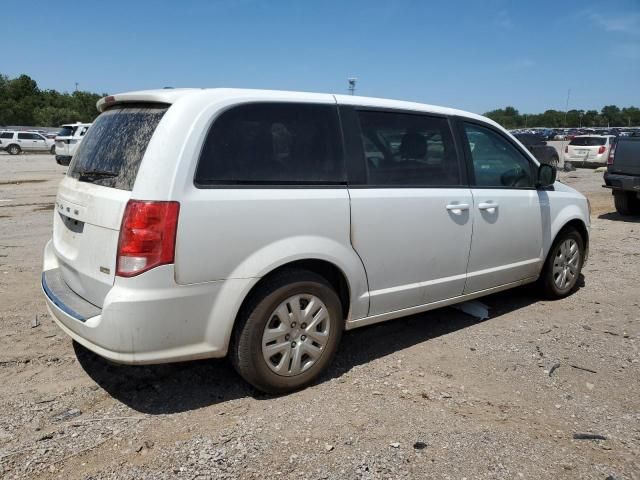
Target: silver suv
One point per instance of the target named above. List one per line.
(15, 142)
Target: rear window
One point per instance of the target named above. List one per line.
(588, 141)
(273, 144)
(113, 147)
(66, 131)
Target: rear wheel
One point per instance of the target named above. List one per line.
(14, 149)
(563, 265)
(288, 332)
(627, 203)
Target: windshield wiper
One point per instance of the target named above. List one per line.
(89, 174)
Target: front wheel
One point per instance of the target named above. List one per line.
(288, 332)
(14, 150)
(563, 265)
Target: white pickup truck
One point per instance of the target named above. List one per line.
(68, 139)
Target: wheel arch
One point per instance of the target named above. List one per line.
(344, 273)
(579, 225)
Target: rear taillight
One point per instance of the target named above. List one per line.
(147, 236)
(601, 150)
(612, 154)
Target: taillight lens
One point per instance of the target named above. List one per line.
(601, 150)
(147, 236)
(612, 154)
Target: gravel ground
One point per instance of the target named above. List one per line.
(436, 395)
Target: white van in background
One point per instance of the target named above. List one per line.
(68, 139)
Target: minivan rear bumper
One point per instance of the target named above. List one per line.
(143, 320)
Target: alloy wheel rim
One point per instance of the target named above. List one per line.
(296, 335)
(565, 264)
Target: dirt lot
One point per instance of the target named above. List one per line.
(436, 395)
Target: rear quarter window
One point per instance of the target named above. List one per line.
(111, 151)
(588, 141)
(273, 144)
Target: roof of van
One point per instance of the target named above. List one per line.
(172, 95)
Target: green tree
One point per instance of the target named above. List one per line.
(23, 103)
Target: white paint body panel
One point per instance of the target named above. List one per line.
(414, 250)
(400, 250)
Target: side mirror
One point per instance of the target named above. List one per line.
(546, 175)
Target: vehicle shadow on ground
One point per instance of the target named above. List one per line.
(615, 216)
(179, 387)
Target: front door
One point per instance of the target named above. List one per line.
(507, 216)
(411, 215)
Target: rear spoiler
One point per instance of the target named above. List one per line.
(165, 96)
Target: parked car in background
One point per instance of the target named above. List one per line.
(538, 146)
(589, 150)
(197, 223)
(68, 139)
(15, 142)
(572, 133)
(623, 175)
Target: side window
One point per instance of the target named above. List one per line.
(408, 149)
(6, 135)
(496, 162)
(273, 143)
(25, 136)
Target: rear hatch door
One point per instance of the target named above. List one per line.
(92, 197)
(585, 148)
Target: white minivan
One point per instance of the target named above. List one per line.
(196, 223)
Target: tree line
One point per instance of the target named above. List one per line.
(609, 116)
(22, 102)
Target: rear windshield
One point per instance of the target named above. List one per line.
(66, 131)
(112, 149)
(588, 141)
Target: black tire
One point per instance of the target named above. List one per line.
(627, 203)
(547, 278)
(14, 149)
(245, 351)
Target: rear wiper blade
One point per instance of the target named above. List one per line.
(95, 174)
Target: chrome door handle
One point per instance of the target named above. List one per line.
(457, 208)
(490, 206)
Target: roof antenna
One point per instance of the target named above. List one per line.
(352, 84)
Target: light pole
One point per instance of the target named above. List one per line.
(566, 107)
(352, 84)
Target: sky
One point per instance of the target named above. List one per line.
(473, 55)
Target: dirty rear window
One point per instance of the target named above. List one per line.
(111, 151)
(588, 141)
